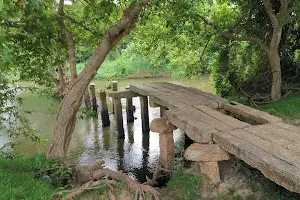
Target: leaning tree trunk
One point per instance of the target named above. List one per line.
(60, 80)
(276, 73)
(66, 116)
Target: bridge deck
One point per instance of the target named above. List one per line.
(271, 146)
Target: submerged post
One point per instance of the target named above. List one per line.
(104, 109)
(114, 87)
(129, 110)
(144, 114)
(119, 117)
(93, 93)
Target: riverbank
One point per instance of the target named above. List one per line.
(239, 181)
(17, 178)
(287, 109)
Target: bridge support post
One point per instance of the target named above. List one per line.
(104, 109)
(114, 87)
(144, 114)
(93, 93)
(162, 111)
(129, 110)
(208, 156)
(119, 117)
(166, 141)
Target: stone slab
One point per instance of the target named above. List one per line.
(205, 152)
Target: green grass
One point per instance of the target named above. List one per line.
(185, 186)
(130, 66)
(17, 179)
(287, 109)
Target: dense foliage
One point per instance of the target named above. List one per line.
(182, 39)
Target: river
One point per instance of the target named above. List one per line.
(136, 154)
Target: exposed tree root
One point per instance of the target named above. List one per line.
(96, 176)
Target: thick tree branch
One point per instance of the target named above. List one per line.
(66, 116)
(283, 14)
(69, 39)
(231, 36)
(270, 12)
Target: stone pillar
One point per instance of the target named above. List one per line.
(104, 109)
(93, 93)
(129, 110)
(114, 87)
(208, 156)
(144, 114)
(162, 111)
(119, 117)
(166, 141)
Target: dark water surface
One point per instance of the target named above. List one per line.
(136, 154)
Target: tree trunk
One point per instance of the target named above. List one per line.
(60, 80)
(66, 116)
(276, 72)
(274, 58)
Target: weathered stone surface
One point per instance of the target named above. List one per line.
(162, 125)
(144, 114)
(129, 110)
(104, 109)
(205, 152)
(250, 113)
(167, 150)
(122, 94)
(166, 141)
(211, 169)
(265, 151)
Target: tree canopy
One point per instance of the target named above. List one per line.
(249, 47)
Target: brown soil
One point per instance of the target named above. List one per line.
(238, 181)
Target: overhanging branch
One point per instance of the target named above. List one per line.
(232, 36)
(270, 12)
(74, 21)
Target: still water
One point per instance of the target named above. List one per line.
(136, 154)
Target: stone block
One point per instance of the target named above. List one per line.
(205, 152)
(211, 169)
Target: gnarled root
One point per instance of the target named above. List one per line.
(92, 176)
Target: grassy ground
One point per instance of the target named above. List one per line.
(288, 109)
(127, 67)
(248, 184)
(17, 179)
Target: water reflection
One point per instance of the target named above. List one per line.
(136, 154)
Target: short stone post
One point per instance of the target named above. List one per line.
(119, 117)
(162, 111)
(129, 110)
(144, 114)
(93, 93)
(104, 109)
(208, 156)
(114, 87)
(166, 141)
